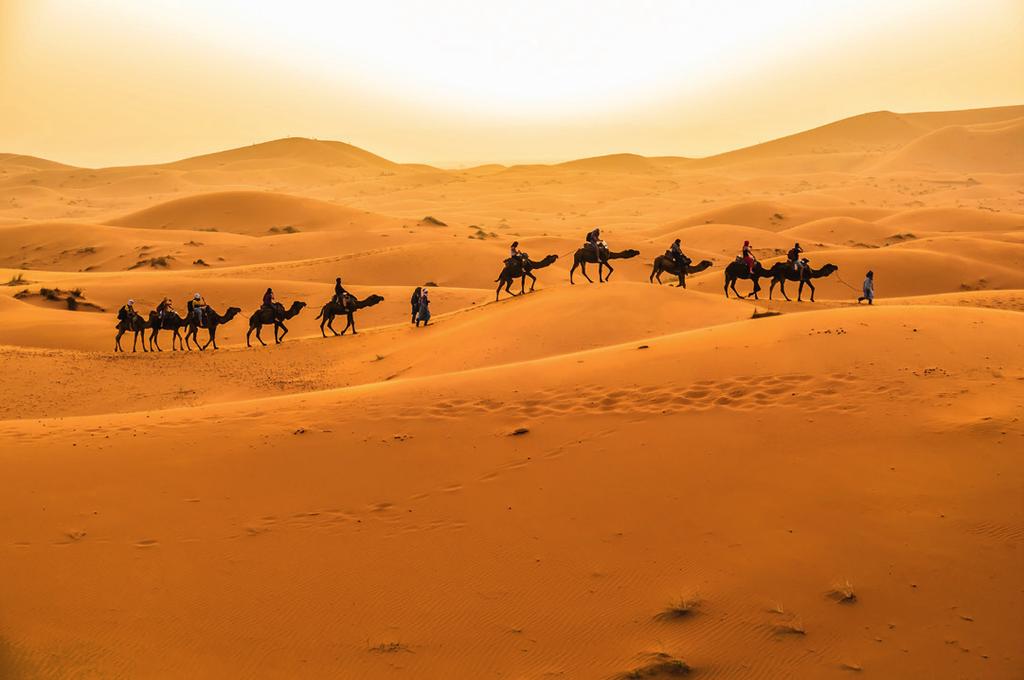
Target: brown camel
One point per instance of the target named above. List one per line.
(171, 322)
(665, 264)
(334, 308)
(263, 316)
(211, 320)
(784, 271)
(586, 254)
(137, 325)
(516, 269)
(737, 269)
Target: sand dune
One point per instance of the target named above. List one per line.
(976, 148)
(248, 213)
(587, 481)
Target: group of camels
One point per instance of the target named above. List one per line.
(173, 322)
(520, 269)
(779, 273)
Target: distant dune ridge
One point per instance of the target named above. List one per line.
(588, 481)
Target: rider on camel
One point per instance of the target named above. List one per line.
(515, 256)
(196, 307)
(594, 241)
(127, 312)
(270, 304)
(676, 253)
(339, 291)
(163, 308)
(794, 257)
(748, 257)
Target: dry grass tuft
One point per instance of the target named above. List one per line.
(659, 665)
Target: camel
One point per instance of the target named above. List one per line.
(333, 309)
(515, 270)
(170, 322)
(665, 264)
(212, 319)
(586, 254)
(737, 269)
(137, 325)
(784, 271)
(263, 316)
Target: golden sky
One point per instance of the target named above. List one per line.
(456, 82)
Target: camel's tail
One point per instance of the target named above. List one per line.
(320, 315)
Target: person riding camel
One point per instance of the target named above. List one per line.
(126, 313)
(677, 255)
(270, 303)
(339, 291)
(748, 257)
(794, 257)
(515, 256)
(163, 308)
(196, 308)
(594, 241)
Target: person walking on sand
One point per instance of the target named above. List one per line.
(869, 289)
(415, 303)
(424, 311)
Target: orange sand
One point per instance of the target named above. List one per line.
(359, 506)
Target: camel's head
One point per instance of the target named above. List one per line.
(828, 269)
(372, 300)
(298, 304)
(626, 254)
(232, 312)
(704, 264)
(550, 259)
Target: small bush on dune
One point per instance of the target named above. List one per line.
(429, 219)
(17, 280)
(659, 665)
(678, 609)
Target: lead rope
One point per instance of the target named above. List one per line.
(840, 279)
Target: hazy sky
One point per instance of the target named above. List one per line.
(449, 82)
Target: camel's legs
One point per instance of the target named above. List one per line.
(611, 270)
(809, 285)
(117, 341)
(682, 280)
(782, 288)
(284, 328)
(757, 289)
(330, 324)
(583, 270)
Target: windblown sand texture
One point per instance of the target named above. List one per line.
(832, 490)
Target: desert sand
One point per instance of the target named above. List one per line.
(588, 481)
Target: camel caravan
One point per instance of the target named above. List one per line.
(200, 316)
